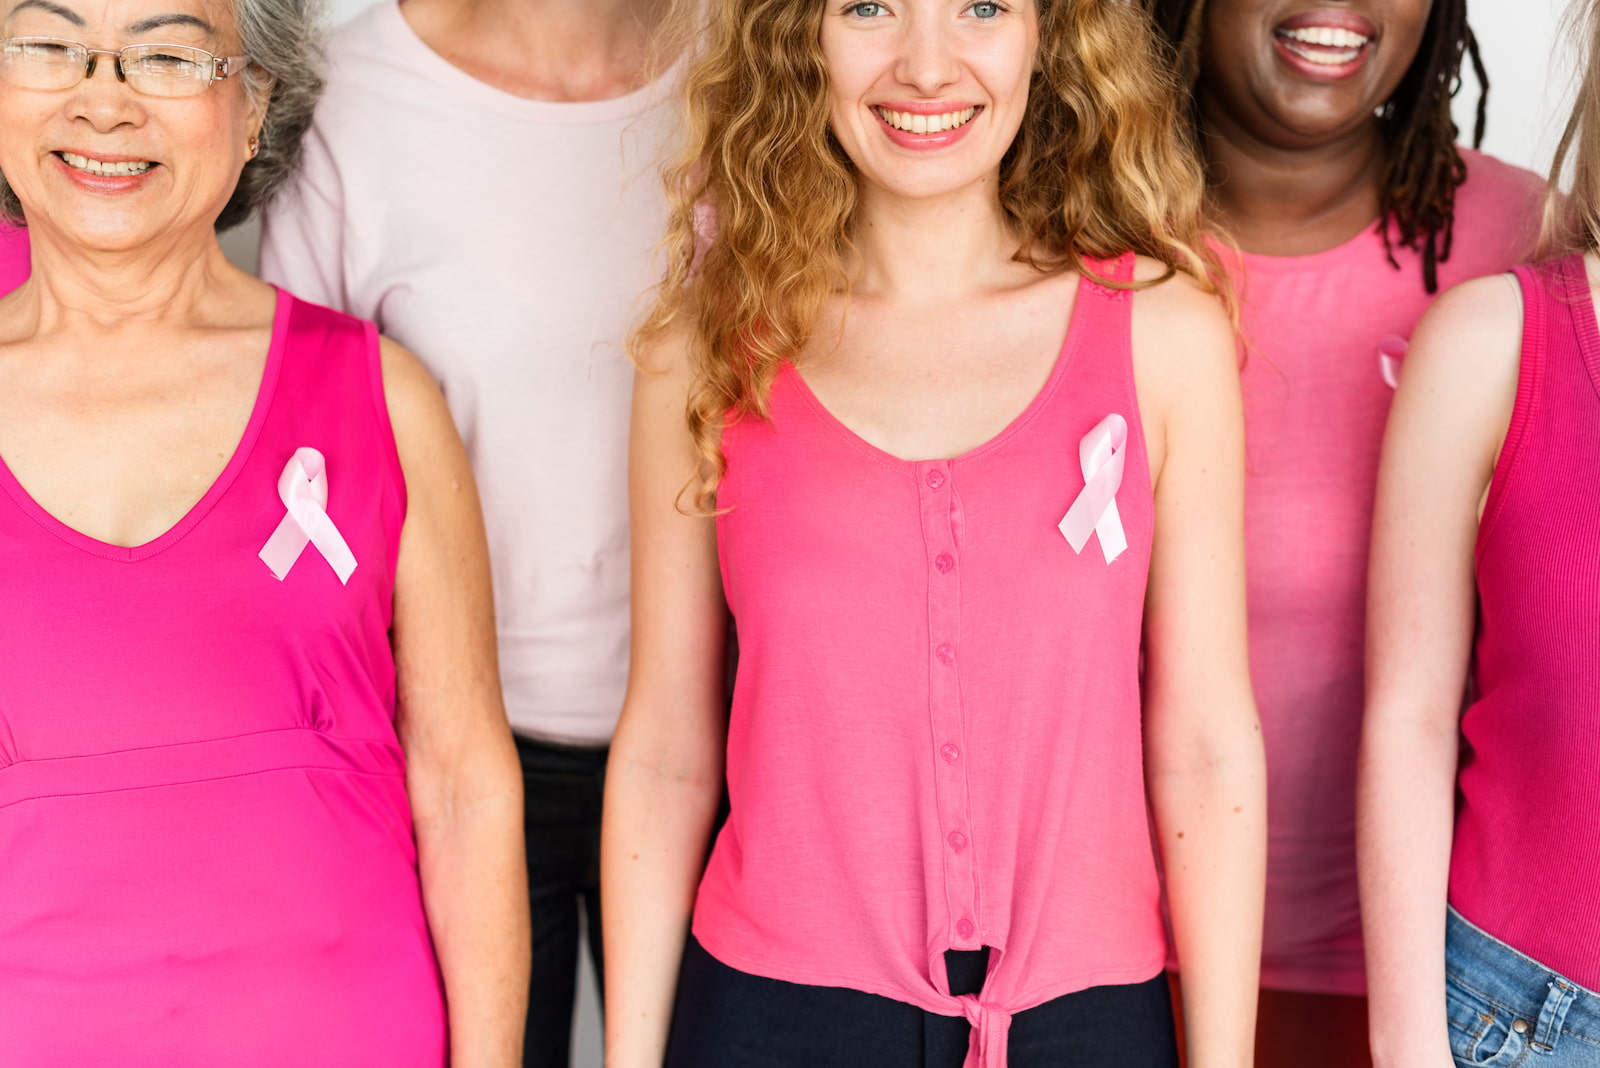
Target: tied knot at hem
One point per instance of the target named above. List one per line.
(991, 1031)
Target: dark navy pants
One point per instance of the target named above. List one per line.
(726, 1018)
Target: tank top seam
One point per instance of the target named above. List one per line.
(389, 444)
(1085, 313)
(387, 743)
(221, 486)
(1526, 407)
(398, 773)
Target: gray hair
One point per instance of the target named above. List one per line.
(283, 39)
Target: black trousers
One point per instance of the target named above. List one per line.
(562, 788)
(725, 1018)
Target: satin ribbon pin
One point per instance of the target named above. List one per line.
(1391, 354)
(1101, 455)
(303, 488)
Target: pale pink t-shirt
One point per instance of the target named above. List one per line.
(936, 734)
(510, 244)
(1317, 395)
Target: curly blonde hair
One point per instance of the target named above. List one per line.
(1103, 164)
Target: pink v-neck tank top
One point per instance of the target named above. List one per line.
(206, 854)
(1526, 861)
(935, 740)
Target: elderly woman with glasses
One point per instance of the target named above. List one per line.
(259, 803)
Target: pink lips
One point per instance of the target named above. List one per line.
(104, 184)
(925, 141)
(1302, 56)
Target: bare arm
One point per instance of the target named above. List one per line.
(1449, 418)
(462, 773)
(1205, 769)
(665, 773)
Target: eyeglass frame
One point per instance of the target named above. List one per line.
(221, 66)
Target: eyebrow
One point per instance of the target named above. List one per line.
(156, 22)
(54, 9)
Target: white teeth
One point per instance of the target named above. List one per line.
(1327, 37)
(926, 124)
(103, 169)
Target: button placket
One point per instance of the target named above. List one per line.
(946, 719)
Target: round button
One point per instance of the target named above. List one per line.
(944, 562)
(958, 841)
(945, 652)
(935, 479)
(950, 753)
(965, 928)
(1520, 1026)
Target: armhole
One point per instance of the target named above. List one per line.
(387, 446)
(1533, 290)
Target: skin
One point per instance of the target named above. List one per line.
(1449, 422)
(119, 444)
(946, 340)
(1298, 162)
(566, 51)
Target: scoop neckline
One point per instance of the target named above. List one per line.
(1069, 344)
(436, 68)
(198, 511)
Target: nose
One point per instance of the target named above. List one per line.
(928, 61)
(101, 101)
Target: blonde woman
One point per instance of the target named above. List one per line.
(1480, 843)
(943, 533)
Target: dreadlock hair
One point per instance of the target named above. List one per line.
(1423, 169)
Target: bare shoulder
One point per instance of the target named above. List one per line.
(1180, 330)
(1477, 320)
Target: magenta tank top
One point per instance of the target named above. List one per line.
(206, 842)
(1526, 862)
(935, 739)
(15, 260)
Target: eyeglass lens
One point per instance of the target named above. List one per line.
(154, 69)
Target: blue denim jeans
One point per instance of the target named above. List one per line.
(1509, 1011)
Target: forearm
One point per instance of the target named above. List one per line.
(658, 814)
(1406, 814)
(1210, 816)
(475, 888)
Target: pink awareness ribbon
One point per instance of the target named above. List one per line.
(303, 488)
(1391, 354)
(991, 1033)
(1101, 455)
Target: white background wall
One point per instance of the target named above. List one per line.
(1530, 73)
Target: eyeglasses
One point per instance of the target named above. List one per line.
(151, 69)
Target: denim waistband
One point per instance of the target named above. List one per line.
(1549, 1001)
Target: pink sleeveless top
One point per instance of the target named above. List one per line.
(15, 262)
(207, 845)
(935, 741)
(1526, 862)
(1322, 332)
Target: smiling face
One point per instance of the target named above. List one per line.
(108, 167)
(1297, 75)
(927, 95)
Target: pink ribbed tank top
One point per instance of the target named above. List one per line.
(1526, 862)
(935, 741)
(208, 856)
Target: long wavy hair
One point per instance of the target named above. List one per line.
(762, 194)
(1572, 221)
(1423, 167)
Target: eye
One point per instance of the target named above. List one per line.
(865, 10)
(986, 9)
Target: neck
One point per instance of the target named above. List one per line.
(561, 50)
(175, 282)
(933, 250)
(1281, 201)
